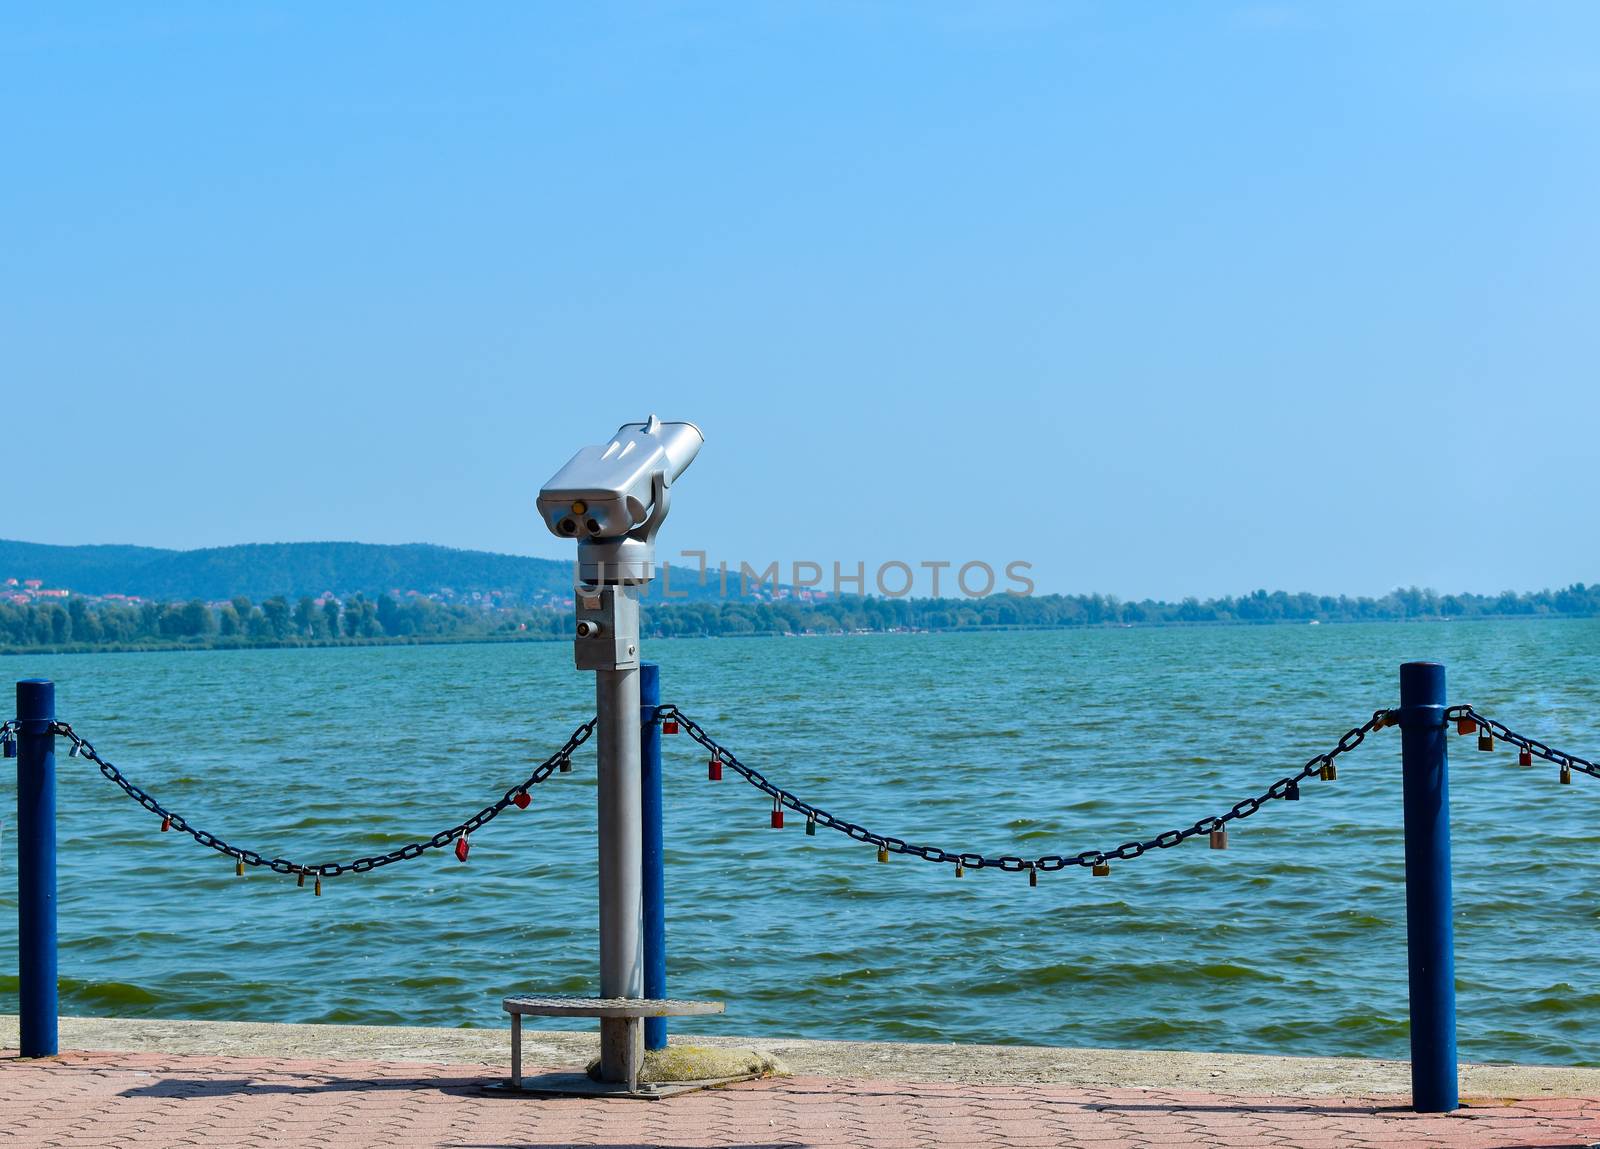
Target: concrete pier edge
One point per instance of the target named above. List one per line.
(1235, 1073)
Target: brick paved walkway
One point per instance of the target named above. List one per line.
(134, 1099)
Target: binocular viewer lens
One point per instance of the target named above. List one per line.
(569, 526)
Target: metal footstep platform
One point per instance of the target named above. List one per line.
(632, 1010)
(556, 1005)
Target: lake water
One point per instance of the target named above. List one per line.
(1290, 941)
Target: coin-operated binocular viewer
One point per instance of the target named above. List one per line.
(612, 500)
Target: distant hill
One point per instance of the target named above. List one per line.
(261, 570)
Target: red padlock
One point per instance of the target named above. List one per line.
(714, 770)
(166, 823)
(777, 815)
(462, 848)
(1525, 758)
(1465, 726)
(669, 726)
(522, 799)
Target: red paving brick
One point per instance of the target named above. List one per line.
(92, 1100)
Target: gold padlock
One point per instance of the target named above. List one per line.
(883, 853)
(960, 870)
(1330, 772)
(1566, 774)
(1101, 869)
(302, 880)
(317, 889)
(238, 868)
(1219, 839)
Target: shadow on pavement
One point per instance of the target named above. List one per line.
(1242, 1107)
(188, 1087)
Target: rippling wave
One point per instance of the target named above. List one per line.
(1292, 940)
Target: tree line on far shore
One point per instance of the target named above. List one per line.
(84, 624)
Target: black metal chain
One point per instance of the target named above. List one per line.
(1466, 718)
(170, 821)
(1468, 721)
(1287, 787)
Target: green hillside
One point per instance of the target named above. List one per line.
(262, 570)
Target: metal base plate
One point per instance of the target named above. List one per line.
(582, 1085)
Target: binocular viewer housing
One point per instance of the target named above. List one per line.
(613, 498)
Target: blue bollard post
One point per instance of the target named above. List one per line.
(655, 876)
(1430, 932)
(36, 867)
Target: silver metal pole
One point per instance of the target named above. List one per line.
(598, 499)
(621, 862)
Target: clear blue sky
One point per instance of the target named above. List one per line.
(1164, 298)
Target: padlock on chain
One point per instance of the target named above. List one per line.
(1485, 739)
(566, 766)
(238, 867)
(522, 799)
(1329, 772)
(166, 823)
(1101, 869)
(811, 827)
(777, 813)
(1566, 774)
(1219, 839)
(883, 853)
(1292, 794)
(1465, 726)
(300, 879)
(960, 870)
(1525, 757)
(462, 847)
(1033, 876)
(714, 768)
(317, 889)
(669, 726)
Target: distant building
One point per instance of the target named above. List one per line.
(33, 583)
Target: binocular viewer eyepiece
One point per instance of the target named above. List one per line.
(613, 498)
